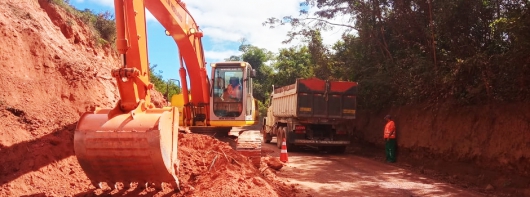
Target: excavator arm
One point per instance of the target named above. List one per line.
(132, 45)
(180, 25)
(134, 141)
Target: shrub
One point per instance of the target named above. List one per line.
(102, 24)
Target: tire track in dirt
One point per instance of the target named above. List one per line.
(324, 175)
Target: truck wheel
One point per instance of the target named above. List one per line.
(279, 137)
(290, 146)
(267, 137)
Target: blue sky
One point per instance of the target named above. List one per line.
(224, 23)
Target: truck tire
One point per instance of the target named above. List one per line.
(290, 146)
(267, 137)
(279, 137)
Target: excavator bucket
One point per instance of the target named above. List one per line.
(128, 148)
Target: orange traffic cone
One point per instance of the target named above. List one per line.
(283, 152)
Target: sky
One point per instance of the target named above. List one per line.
(224, 23)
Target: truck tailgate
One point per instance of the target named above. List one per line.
(315, 98)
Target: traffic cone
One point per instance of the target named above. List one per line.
(283, 152)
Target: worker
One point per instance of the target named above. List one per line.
(234, 89)
(390, 139)
(233, 93)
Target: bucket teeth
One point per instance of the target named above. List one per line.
(98, 185)
(140, 185)
(116, 186)
(176, 185)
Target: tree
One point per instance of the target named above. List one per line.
(162, 85)
(292, 63)
(319, 56)
(414, 51)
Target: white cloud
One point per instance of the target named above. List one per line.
(149, 16)
(231, 20)
(220, 55)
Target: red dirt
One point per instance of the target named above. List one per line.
(273, 162)
(52, 71)
(481, 147)
(209, 167)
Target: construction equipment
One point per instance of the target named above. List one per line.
(312, 112)
(136, 142)
(230, 105)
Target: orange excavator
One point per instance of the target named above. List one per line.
(137, 142)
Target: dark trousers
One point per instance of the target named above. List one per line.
(390, 149)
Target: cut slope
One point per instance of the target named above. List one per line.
(48, 79)
(53, 71)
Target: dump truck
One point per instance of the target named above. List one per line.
(312, 112)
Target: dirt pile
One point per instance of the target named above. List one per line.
(209, 167)
(52, 71)
(213, 168)
(273, 163)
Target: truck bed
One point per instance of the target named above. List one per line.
(315, 98)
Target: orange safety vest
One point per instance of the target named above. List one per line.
(389, 127)
(234, 92)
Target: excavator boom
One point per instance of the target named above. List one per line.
(136, 142)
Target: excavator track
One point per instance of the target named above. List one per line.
(128, 148)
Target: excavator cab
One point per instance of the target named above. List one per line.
(231, 101)
(233, 104)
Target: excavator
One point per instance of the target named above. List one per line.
(136, 142)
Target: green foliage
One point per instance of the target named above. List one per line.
(292, 63)
(102, 24)
(62, 3)
(262, 108)
(162, 85)
(275, 69)
(320, 58)
(407, 52)
(106, 26)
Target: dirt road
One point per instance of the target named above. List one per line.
(321, 175)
